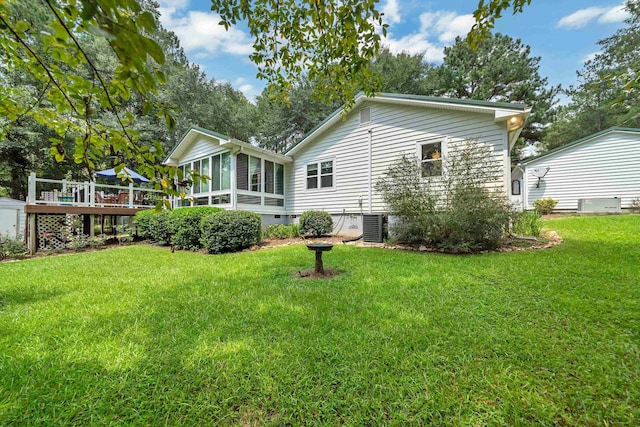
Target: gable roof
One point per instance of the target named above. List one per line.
(578, 142)
(501, 110)
(194, 131)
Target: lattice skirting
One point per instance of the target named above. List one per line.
(53, 230)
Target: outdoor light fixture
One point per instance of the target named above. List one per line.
(514, 122)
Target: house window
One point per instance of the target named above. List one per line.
(206, 172)
(431, 158)
(196, 167)
(320, 175)
(515, 187)
(255, 173)
(249, 173)
(221, 172)
(273, 178)
(365, 115)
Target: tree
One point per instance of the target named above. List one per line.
(330, 40)
(601, 99)
(500, 69)
(402, 72)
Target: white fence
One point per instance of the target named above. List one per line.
(69, 193)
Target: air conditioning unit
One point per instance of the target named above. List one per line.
(373, 228)
(608, 205)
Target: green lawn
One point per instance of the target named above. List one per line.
(139, 335)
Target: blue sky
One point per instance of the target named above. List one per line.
(564, 33)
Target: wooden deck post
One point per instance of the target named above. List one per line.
(33, 240)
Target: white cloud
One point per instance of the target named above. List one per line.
(437, 30)
(415, 44)
(247, 90)
(391, 11)
(200, 33)
(446, 25)
(615, 14)
(582, 17)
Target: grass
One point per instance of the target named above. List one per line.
(138, 335)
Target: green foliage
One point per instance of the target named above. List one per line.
(11, 248)
(500, 69)
(316, 223)
(330, 42)
(403, 72)
(230, 231)
(154, 225)
(185, 226)
(281, 231)
(545, 206)
(487, 13)
(97, 241)
(462, 211)
(602, 98)
(526, 223)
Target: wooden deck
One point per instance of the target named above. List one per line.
(84, 210)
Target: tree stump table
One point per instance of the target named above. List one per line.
(319, 248)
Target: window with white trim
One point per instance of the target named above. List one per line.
(431, 158)
(320, 175)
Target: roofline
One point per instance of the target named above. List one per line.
(227, 140)
(408, 99)
(197, 129)
(578, 142)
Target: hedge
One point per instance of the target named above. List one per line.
(184, 225)
(316, 223)
(152, 224)
(230, 231)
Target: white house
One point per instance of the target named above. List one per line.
(598, 168)
(335, 167)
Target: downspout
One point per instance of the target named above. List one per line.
(370, 169)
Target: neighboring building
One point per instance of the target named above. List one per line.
(335, 167)
(605, 165)
(12, 218)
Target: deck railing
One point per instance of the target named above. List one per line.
(57, 192)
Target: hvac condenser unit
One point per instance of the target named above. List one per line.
(373, 228)
(611, 205)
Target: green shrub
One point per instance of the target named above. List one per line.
(545, 206)
(316, 223)
(230, 231)
(457, 211)
(281, 231)
(154, 225)
(185, 226)
(526, 223)
(11, 248)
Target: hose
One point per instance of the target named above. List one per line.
(353, 239)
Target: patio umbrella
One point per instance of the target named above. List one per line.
(111, 174)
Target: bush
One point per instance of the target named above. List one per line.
(527, 223)
(635, 205)
(154, 225)
(230, 231)
(316, 223)
(458, 211)
(280, 231)
(11, 248)
(545, 206)
(185, 226)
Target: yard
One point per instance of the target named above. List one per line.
(140, 335)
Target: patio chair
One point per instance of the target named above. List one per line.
(123, 198)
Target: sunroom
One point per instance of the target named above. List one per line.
(241, 175)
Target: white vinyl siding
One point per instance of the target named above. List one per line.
(202, 147)
(395, 130)
(604, 167)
